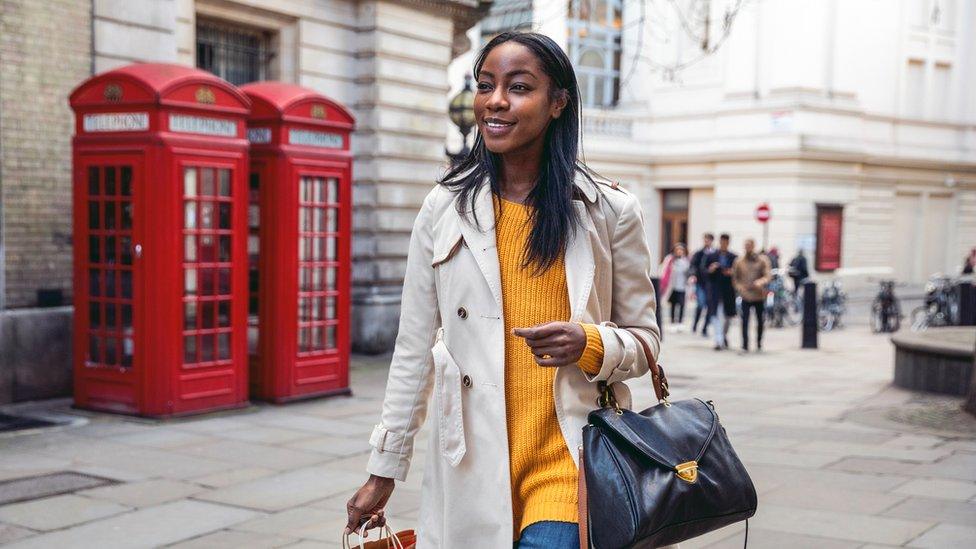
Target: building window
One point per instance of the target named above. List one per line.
(236, 54)
(830, 231)
(595, 30)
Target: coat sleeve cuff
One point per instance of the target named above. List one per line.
(388, 458)
(618, 355)
(592, 359)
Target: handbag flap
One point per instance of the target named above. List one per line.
(668, 435)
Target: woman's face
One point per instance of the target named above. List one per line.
(679, 251)
(513, 106)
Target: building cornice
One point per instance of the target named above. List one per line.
(464, 13)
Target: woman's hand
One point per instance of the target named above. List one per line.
(367, 504)
(554, 343)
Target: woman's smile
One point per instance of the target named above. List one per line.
(497, 127)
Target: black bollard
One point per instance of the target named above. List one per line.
(656, 282)
(967, 304)
(809, 315)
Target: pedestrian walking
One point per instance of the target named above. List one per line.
(511, 315)
(674, 281)
(700, 278)
(751, 273)
(969, 263)
(721, 303)
(798, 271)
(773, 256)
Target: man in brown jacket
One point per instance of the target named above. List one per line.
(750, 275)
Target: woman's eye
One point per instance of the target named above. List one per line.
(484, 86)
(520, 87)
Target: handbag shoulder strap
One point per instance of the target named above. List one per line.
(658, 378)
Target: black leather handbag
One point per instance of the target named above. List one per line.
(661, 476)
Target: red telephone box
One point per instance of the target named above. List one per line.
(299, 252)
(160, 222)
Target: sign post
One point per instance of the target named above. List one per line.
(763, 215)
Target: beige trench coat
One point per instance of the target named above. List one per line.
(451, 345)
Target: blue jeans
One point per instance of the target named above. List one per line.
(549, 534)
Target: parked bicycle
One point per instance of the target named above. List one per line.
(782, 306)
(832, 306)
(886, 309)
(941, 306)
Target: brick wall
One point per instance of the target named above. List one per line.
(45, 51)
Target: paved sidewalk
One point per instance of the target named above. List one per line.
(817, 430)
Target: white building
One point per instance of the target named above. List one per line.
(861, 110)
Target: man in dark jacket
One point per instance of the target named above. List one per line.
(798, 270)
(699, 276)
(721, 304)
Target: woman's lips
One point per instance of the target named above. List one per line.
(497, 128)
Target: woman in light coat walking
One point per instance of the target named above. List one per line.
(527, 283)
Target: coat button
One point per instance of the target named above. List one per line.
(462, 312)
(466, 381)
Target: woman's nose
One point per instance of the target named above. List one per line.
(497, 100)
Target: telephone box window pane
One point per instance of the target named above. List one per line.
(207, 252)
(190, 182)
(206, 215)
(330, 337)
(319, 190)
(223, 314)
(253, 215)
(127, 347)
(190, 219)
(207, 313)
(126, 316)
(304, 339)
(206, 181)
(318, 308)
(125, 249)
(110, 249)
(126, 211)
(110, 181)
(206, 282)
(206, 348)
(189, 248)
(330, 279)
(189, 349)
(93, 217)
(317, 337)
(94, 249)
(111, 351)
(224, 215)
(252, 338)
(318, 219)
(110, 215)
(94, 315)
(333, 191)
(110, 317)
(110, 283)
(190, 315)
(190, 282)
(332, 219)
(223, 281)
(126, 181)
(224, 249)
(126, 284)
(223, 346)
(316, 283)
(94, 283)
(330, 308)
(253, 247)
(330, 249)
(224, 175)
(94, 349)
(93, 181)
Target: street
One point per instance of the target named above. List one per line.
(840, 459)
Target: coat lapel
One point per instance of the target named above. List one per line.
(580, 266)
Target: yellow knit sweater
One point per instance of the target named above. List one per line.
(543, 473)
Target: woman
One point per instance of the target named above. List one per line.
(969, 263)
(527, 283)
(674, 278)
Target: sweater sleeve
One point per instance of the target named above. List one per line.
(592, 359)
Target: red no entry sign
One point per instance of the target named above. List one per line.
(762, 213)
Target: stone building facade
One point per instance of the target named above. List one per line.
(853, 117)
(384, 59)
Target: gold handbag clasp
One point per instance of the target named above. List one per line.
(687, 471)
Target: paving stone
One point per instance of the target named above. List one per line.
(842, 526)
(146, 493)
(325, 426)
(58, 512)
(770, 539)
(888, 452)
(160, 438)
(936, 510)
(808, 460)
(301, 522)
(149, 527)
(284, 490)
(946, 535)
(230, 539)
(961, 466)
(812, 495)
(51, 484)
(9, 533)
(253, 455)
(264, 435)
(876, 466)
(333, 446)
(939, 488)
(233, 476)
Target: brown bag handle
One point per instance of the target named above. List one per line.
(658, 378)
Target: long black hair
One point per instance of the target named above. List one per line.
(553, 216)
